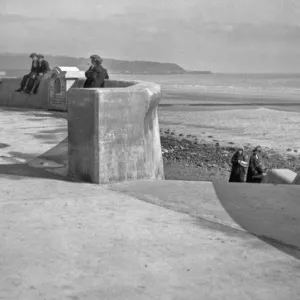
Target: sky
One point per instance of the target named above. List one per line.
(218, 35)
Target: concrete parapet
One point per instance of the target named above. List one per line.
(113, 133)
(280, 176)
(10, 98)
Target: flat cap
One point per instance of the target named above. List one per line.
(32, 55)
(40, 56)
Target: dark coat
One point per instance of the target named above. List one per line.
(44, 67)
(237, 171)
(255, 170)
(95, 77)
(34, 67)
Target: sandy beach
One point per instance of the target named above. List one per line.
(228, 112)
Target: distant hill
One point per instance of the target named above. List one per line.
(10, 62)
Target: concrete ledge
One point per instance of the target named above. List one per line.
(297, 179)
(114, 132)
(10, 98)
(280, 176)
(108, 83)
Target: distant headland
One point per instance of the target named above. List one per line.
(11, 63)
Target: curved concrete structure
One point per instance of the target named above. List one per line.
(113, 133)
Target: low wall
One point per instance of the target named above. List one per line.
(113, 133)
(108, 83)
(10, 98)
(280, 176)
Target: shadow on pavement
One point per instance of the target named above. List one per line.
(270, 212)
(18, 164)
(21, 171)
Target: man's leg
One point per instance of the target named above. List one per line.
(36, 84)
(23, 83)
(30, 83)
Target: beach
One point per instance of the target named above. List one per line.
(221, 113)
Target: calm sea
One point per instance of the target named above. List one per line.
(282, 82)
(289, 83)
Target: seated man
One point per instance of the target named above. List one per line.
(96, 74)
(43, 68)
(32, 74)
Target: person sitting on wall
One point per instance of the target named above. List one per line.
(33, 85)
(239, 166)
(32, 74)
(256, 171)
(96, 74)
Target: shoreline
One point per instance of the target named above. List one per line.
(188, 158)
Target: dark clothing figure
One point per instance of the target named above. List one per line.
(33, 73)
(30, 82)
(95, 77)
(237, 171)
(42, 70)
(29, 77)
(44, 67)
(255, 170)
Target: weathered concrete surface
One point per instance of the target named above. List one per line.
(32, 137)
(264, 210)
(10, 98)
(297, 179)
(114, 134)
(63, 240)
(280, 176)
(108, 83)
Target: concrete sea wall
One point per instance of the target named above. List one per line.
(10, 98)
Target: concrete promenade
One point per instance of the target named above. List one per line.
(143, 240)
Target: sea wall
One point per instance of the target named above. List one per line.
(10, 98)
(43, 98)
(113, 133)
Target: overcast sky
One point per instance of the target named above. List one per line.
(217, 35)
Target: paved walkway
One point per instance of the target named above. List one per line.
(35, 138)
(66, 240)
(265, 210)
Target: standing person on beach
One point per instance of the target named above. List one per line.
(96, 74)
(31, 75)
(239, 166)
(255, 172)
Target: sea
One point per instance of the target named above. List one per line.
(284, 85)
(282, 82)
(209, 101)
(252, 81)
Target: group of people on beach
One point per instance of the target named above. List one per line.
(95, 75)
(39, 67)
(256, 170)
